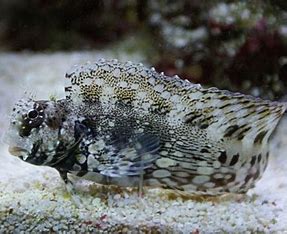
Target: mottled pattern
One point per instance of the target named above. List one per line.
(125, 124)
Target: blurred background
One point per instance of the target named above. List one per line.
(240, 46)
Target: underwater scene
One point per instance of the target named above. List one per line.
(143, 116)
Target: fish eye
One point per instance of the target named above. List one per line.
(32, 114)
(32, 119)
(35, 117)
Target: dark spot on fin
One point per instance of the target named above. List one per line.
(257, 174)
(192, 118)
(234, 159)
(204, 151)
(267, 158)
(203, 126)
(259, 158)
(230, 130)
(69, 75)
(253, 160)
(226, 105)
(220, 182)
(248, 177)
(259, 137)
(222, 158)
(68, 89)
(242, 133)
(198, 158)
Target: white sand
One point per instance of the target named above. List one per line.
(34, 199)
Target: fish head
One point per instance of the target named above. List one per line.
(38, 131)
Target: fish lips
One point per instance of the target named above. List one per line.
(18, 152)
(25, 155)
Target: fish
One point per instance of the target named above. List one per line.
(124, 124)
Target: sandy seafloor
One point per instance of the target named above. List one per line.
(33, 199)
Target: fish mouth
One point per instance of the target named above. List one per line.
(18, 152)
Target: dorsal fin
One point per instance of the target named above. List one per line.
(223, 114)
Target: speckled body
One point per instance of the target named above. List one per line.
(122, 123)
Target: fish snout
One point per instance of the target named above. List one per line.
(18, 152)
